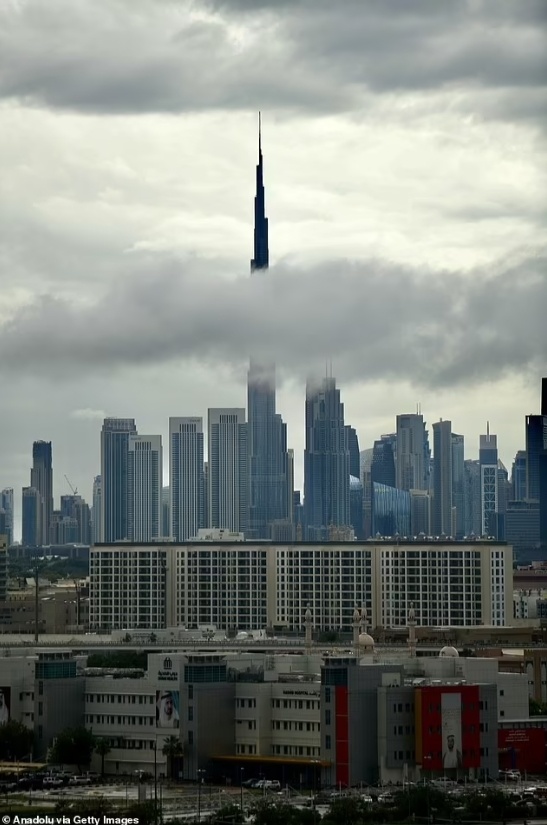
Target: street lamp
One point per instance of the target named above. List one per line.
(241, 772)
(156, 783)
(200, 773)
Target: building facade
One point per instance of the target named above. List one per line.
(326, 461)
(228, 476)
(114, 477)
(186, 507)
(144, 485)
(249, 586)
(441, 515)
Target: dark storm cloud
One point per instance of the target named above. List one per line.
(312, 54)
(374, 320)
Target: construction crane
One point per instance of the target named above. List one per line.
(74, 489)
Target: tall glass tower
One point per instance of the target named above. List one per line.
(114, 477)
(41, 478)
(269, 470)
(326, 462)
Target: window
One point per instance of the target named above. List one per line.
(190, 692)
(327, 743)
(190, 713)
(327, 717)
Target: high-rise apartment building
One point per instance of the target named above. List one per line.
(114, 477)
(383, 464)
(488, 461)
(458, 484)
(166, 512)
(267, 434)
(186, 477)
(413, 454)
(472, 493)
(32, 517)
(144, 485)
(228, 479)
(326, 461)
(97, 511)
(441, 516)
(41, 478)
(7, 506)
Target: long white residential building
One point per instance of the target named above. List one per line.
(249, 585)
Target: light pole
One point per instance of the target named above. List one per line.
(241, 772)
(156, 782)
(200, 773)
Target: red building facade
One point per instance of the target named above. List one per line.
(448, 727)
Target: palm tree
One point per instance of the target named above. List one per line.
(173, 750)
(102, 747)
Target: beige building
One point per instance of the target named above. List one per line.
(247, 586)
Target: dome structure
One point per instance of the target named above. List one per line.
(449, 652)
(366, 642)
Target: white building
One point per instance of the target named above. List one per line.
(144, 486)
(248, 585)
(228, 479)
(186, 477)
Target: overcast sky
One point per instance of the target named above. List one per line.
(405, 173)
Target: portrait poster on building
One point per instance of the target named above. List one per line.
(451, 710)
(5, 704)
(167, 708)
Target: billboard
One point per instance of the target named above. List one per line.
(5, 704)
(451, 714)
(167, 708)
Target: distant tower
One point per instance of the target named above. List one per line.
(97, 510)
(144, 484)
(41, 478)
(228, 478)
(186, 477)
(326, 461)
(412, 630)
(488, 460)
(308, 624)
(441, 516)
(270, 482)
(114, 458)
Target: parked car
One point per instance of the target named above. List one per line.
(79, 780)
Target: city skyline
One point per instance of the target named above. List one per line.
(419, 187)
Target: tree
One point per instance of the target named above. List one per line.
(228, 814)
(173, 750)
(15, 740)
(73, 746)
(102, 747)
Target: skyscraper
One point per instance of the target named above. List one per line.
(32, 517)
(441, 515)
(326, 461)
(261, 257)
(488, 460)
(97, 510)
(144, 484)
(518, 476)
(354, 452)
(41, 478)
(412, 453)
(382, 466)
(186, 477)
(6, 504)
(458, 484)
(228, 479)
(114, 455)
(268, 463)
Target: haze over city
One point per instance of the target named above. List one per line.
(405, 190)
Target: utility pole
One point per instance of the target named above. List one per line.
(36, 600)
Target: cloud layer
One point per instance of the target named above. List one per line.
(311, 55)
(373, 320)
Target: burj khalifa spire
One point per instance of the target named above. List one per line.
(261, 257)
(270, 469)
